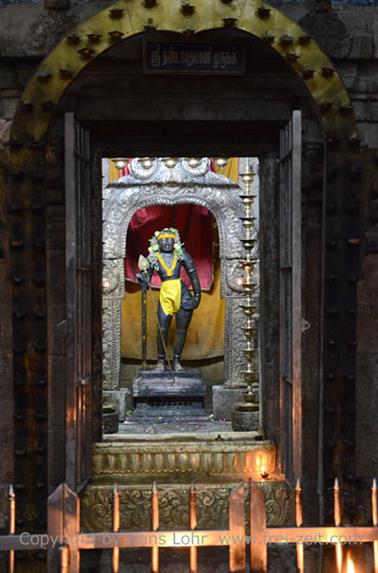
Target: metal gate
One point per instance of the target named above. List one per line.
(64, 540)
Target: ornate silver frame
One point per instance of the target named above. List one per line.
(172, 182)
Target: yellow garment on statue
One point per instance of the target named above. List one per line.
(170, 296)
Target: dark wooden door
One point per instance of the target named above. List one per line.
(290, 297)
(79, 302)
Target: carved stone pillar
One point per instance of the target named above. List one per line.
(233, 355)
(233, 390)
(113, 290)
(112, 328)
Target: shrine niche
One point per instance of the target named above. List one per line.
(171, 183)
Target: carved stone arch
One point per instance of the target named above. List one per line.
(222, 202)
(120, 21)
(180, 185)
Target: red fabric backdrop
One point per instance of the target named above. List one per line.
(194, 224)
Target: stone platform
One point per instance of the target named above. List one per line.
(182, 457)
(212, 505)
(215, 461)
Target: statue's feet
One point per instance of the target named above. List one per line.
(176, 365)
(160, 365)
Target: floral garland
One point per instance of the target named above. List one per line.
(154, 248)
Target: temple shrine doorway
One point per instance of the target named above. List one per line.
(115, 108)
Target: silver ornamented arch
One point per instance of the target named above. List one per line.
(171, 182)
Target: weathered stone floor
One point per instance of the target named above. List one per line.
(162, 425)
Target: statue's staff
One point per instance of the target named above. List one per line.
(143, 266)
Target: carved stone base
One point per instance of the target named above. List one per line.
(221, 457)
(224, 399)
(212, 506)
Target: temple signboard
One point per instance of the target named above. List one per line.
(224, 58)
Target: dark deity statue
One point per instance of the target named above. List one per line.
(167, 256)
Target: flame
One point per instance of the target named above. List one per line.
(264, 463)
(350, 568)
(263, 471)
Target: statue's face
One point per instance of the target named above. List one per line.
(166, 244)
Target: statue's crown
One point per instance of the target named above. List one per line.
(167, 233)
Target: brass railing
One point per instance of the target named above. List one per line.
(64, 540)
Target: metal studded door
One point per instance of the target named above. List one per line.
(290, 297)
(78, 301)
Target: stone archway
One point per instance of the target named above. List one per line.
(119, 21)
(160, 185)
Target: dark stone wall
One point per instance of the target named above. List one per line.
(56, 308)
(6, 359)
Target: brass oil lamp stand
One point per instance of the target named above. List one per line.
(245, 416)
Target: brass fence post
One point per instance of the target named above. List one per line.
(155, 527)
(237, 542)
(299, 523)
(64, 559)
(257, 519)
(374, 512)
(193, 553)
(12, 524)
(63, 518)
(337, 519)
(116, 527)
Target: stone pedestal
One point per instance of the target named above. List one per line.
(153, 383)
(162, 393)
(224, 400)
